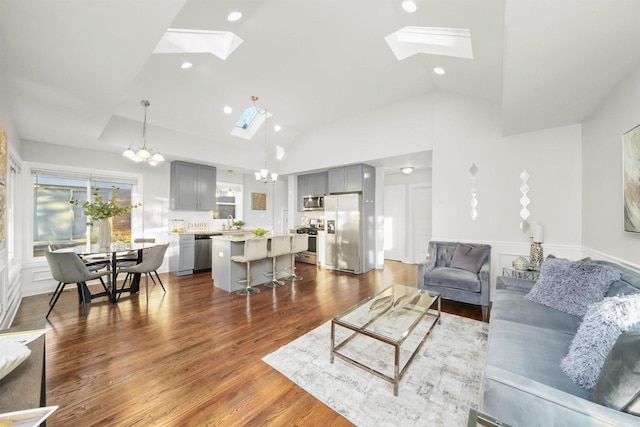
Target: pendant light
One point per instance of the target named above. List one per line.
(263, 174)
(144, 154)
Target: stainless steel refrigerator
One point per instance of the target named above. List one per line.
(343, 226)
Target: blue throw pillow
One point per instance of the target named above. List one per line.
(571, 286)
(469, 258)
(600, 328)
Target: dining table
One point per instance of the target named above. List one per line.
(115, 253)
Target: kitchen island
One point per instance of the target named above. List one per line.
(226, 273)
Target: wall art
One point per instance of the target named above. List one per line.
(631, 179)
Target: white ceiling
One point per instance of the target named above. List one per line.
(73, 72)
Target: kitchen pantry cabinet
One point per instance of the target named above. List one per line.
(313, 184)
(192, 187)
(348, 179)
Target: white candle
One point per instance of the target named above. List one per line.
(538, 233)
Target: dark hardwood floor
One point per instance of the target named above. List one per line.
(193, 356)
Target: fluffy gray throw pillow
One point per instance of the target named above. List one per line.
(571, 286)
(598, 332)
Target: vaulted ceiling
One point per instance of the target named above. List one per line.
(73, 72)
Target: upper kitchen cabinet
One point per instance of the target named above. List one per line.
(314, 184)
(348, 179)
(193, 187)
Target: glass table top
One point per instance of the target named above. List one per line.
(390, 314)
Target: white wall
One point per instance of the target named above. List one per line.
(400, 128)
(602, 213)
(467, 132)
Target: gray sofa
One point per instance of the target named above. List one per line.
(459, 278)
(523, 384)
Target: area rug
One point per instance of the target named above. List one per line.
(440, 385)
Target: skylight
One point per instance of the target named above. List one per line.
(408, 41)
(249, 123)
(218, 43)
(247, 117)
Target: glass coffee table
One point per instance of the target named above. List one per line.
(390, 316)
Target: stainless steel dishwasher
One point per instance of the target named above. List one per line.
(202, 252)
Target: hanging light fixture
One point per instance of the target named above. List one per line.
(144, 154)
(263, 174)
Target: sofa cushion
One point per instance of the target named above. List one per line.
(511, 305)
(618, 385)
(602, 325)
(572, 286)
(531, 352)
(453, 278)
(469, 258)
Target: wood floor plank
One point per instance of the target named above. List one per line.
(193, 356)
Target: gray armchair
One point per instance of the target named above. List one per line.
(458, 271)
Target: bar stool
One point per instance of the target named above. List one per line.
(280, 245)
(254, 249)
(299, 243)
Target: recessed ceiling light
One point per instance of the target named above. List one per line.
(409, 6)
(439, 70)
(234, 16)
(228, 110)
(186, 65)
(277, 128)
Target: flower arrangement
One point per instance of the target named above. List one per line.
(238, 224)
(103, 209)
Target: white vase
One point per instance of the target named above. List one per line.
(104, 233)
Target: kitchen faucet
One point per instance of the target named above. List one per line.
(229, 222)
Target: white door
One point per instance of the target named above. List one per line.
(420, 220)
(394, 222)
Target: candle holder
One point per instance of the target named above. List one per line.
(536, 256)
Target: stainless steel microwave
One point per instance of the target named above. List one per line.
(313, 203)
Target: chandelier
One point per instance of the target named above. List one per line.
(263, 174)
(144, 154)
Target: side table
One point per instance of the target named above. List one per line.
(521, 274)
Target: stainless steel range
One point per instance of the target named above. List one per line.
(309, 256)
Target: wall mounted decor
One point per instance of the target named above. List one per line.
(259, 201)
(473, 170)
(524, 201)
(631, 179)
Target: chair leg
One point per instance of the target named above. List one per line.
(274, 274)
(485, 313)
(83, 285)
(55, 292)
(56, 298)
(249, 290)
(159, 281)
(127, 277)
(293, 276)
(146, 285)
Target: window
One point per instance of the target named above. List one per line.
(228, 200)
(56, 220)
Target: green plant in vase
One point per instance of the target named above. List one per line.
(238, 224)
(103, 210)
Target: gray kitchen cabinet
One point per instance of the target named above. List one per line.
(347, 179)
(192, 187)
(182, 260)
(313, 184)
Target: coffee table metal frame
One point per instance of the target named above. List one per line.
(426, 300)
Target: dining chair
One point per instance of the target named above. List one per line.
(67, 267)
(151, 261)
(92, 263)
(131, 258)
